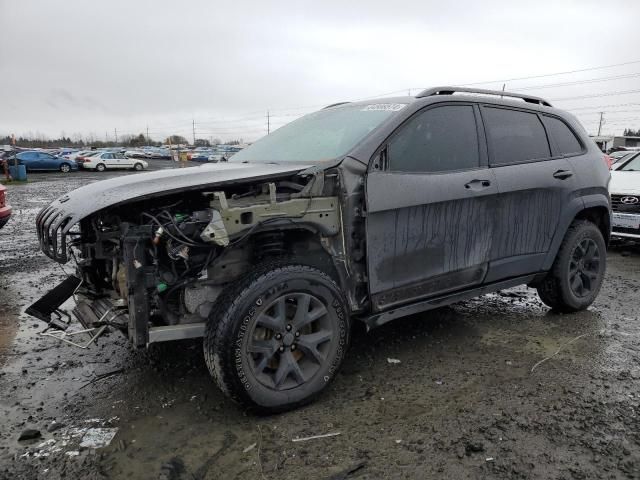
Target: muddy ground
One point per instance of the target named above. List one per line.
(463, 401)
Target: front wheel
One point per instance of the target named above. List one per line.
(278, 337)
(578, 270)
(138, 166)
(65, 168)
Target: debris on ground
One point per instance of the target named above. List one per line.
(314, 437)
(249, 448)
(393, 360)
(98, 437)
(474, 447)
(29, 434)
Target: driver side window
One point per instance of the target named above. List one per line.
(436, 140)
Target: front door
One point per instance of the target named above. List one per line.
(429, 207)
(109, 161)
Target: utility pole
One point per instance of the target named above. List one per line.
(148, 141)
(600, 123)
(194, 131)
(115, 131)
(268, 123)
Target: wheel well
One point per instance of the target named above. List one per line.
(600, 217)
(299, 245)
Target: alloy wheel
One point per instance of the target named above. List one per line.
(290, 341)
(584, 267)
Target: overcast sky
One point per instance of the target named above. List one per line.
(89, 67)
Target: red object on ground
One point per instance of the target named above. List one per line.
(5, 209)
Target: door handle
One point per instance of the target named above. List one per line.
(477, 184)
(562, 174)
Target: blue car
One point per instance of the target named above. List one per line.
(41, 161)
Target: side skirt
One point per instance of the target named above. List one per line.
(378, 319)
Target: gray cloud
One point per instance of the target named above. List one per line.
(89, 67)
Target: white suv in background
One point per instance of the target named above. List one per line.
(111, 160)
(625, 197)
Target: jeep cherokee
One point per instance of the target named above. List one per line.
(366, 211)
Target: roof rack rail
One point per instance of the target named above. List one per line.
(451, 90)
(334, 105)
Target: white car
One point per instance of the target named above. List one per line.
(625, 198)
(109, 160)
(75, 155)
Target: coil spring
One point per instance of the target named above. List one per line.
(269, 244)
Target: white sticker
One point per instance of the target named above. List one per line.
(384, 107)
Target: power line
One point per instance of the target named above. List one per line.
(596, 95)
(589, 69)
(577, 82)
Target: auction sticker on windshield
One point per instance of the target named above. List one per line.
(384, 107)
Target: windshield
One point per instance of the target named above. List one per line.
(631, 166)
(319, 136)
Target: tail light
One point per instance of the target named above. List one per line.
(81, 159)
(608, 160)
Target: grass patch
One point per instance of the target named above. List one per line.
(4, 181)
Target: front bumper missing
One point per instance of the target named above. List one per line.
(97, 315)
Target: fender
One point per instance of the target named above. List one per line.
(598, 198)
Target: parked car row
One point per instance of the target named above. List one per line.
(148, 152)
(97, 160)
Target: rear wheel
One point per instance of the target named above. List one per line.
(578, 271)
(65, 168)
(277, 338)
(100, 167)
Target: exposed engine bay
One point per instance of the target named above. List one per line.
(164, 261)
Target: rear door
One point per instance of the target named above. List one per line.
(429, 207)
(122, 161)
(29, 160)
(534, 182)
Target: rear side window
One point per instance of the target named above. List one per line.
(515, 136)
(562, 135)
(436, 140)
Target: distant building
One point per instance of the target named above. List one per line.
(607, 142)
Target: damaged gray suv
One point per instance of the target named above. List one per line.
(365, 211)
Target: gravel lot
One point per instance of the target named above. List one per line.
(462, 402)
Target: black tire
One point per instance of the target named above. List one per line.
(65, 168)
(286, 372)
(138, 167)
(578, 270)
(100, 167)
